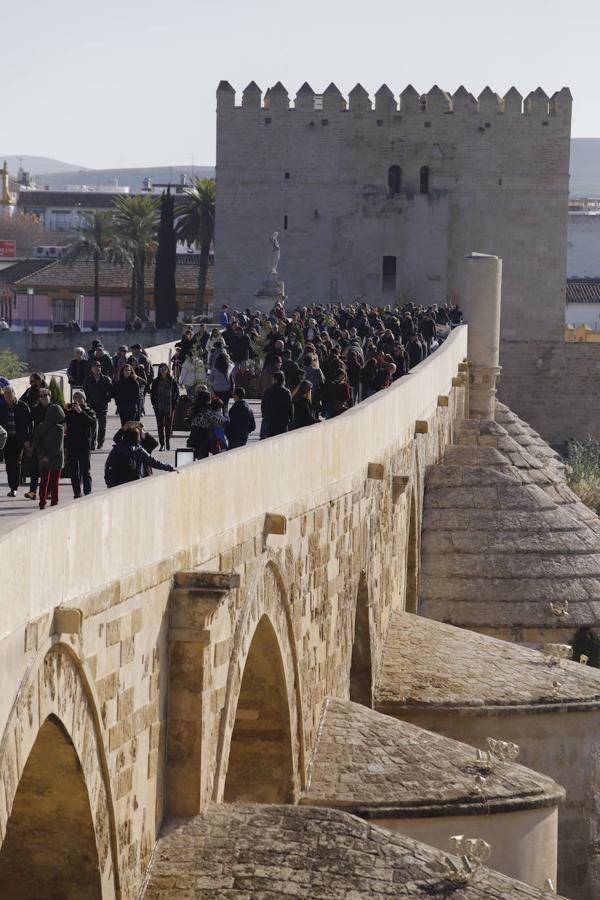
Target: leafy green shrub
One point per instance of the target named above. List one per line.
(10, 365)
(583, 470)
(586, 642)
(56, 392)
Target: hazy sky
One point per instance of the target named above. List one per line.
(132, 82)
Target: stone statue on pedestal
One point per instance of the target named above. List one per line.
(272, 290)
(275, 252)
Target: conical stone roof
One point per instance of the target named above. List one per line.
(379, 767)
(527, 437)
(503, 538)
(271, 852)
(428, 664)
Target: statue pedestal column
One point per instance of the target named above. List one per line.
(270, 292)
(480, 303)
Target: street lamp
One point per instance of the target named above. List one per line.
(30, 295)
(79, 310)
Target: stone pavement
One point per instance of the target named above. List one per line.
(16, 510)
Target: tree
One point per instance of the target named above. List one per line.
(196, 227)
(10, 365)
(136, 221)
(95, 239)
(165, 290)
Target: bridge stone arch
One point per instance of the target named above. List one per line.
(264, 627)
(57, 823)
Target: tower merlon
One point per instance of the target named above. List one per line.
(251, 96)
(359, 100)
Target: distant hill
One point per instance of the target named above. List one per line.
(585, 171)
(132, 178)
(37, 165)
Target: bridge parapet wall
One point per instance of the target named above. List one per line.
(342, 492)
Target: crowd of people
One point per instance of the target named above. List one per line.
(314, 364)
(310, 365)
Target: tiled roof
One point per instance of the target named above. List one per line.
(252, 852)
(424, 666)
(377, 766)
(66, 199)
(23, 269)
(79, 274)
(583, 290)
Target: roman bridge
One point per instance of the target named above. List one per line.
(169, 644)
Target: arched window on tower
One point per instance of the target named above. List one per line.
(424, 180)
(394, 179)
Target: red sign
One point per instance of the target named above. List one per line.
(8, 249)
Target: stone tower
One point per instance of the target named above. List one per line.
(383, 197)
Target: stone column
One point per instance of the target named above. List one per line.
(480, 303)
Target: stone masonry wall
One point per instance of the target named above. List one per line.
(344, 490)
(498, 183)
(555, 387)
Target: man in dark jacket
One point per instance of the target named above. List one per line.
(98, 391)
(241, 420)
(15, 418)
(292, 371)
(78, 368)
(240, 349)
(100, 355)
(415, 351)
(277, 407)
(81, 427)
(428, 330)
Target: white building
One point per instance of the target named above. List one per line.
(583, 269)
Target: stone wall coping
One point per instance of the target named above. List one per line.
(58, 563)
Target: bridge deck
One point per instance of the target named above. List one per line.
(16, 510)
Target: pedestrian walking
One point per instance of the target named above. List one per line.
(15, 418)
(164, 395)
(48, 443)
(80, 423)
(98, 390)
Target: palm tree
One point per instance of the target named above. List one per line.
(95, 239)
(136, 224)
(196, 227)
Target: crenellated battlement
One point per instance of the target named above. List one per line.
(537, 104)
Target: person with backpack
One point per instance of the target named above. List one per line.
(128, 459)
(203, 422)
(241, 420)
